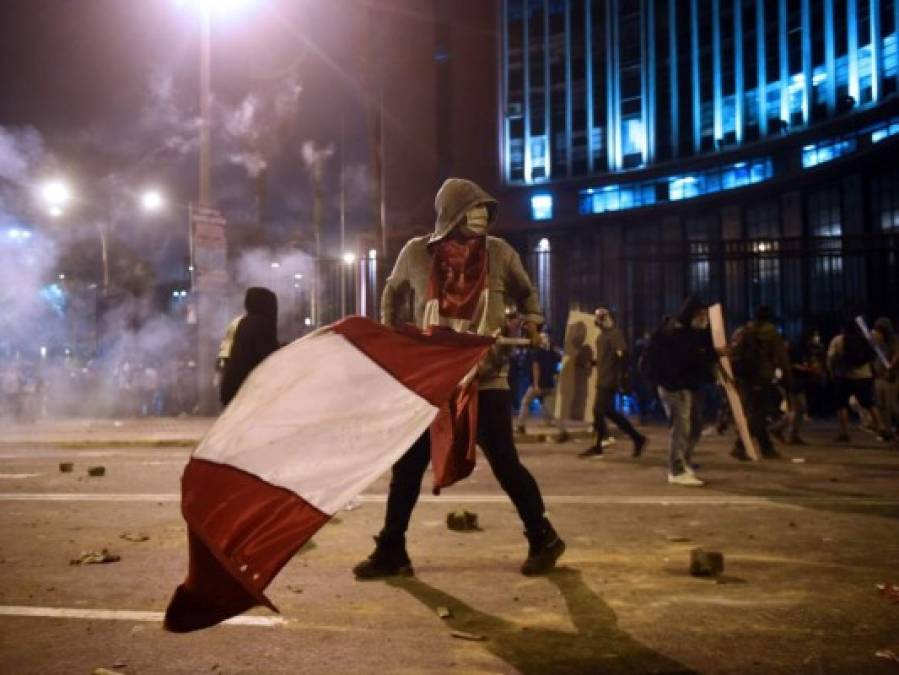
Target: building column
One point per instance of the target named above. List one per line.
(761, 67)
(648, 83)
(526, 93)
(613, 129)
(739, 93)
(717, 97)
(830, 59)
(568, 118)
(852, 48)
(588, 74)
(876, 51)
(783, 49)
(547, 120)
(504, 103)
(807, 90)
(694, 71)
(672, 77)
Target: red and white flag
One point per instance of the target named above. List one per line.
(311, 427)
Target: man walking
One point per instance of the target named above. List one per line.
(611, 350)
(464, 279)
(544, 364)
(681, 359)
(757, 352)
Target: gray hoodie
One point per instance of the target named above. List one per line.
(405, 292)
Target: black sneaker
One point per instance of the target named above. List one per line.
(796, 440)
(592, 451)
(544, 550)
(639, 445)
(387, 560)
(739, 452)
(771, 453)
(843, 438)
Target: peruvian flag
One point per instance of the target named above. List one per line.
(312, 426)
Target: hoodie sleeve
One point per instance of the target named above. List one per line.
(398, 277)
(523, 291)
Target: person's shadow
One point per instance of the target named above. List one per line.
(598, 645)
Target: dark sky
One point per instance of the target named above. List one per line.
(111, 86)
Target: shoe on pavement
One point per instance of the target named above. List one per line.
(771, 453)
(544, 549)
(796, 440)
(387, 560)
(639, 446)
(686, 479)
(739, 452)
(607, 441)
(842, 438)
(592, 451)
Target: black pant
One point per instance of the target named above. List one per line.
(604, 406)
(495, 439)
(758, 399)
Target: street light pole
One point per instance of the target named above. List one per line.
(205, 145)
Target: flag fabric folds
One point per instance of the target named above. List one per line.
(311, 427)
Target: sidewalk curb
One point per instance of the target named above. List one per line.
(100, 443)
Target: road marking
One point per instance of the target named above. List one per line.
(649, 500)
(124, 615)
(19, 475)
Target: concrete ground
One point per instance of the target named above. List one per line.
(805, 545)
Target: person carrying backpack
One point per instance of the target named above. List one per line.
(757, 352)
(849, 358)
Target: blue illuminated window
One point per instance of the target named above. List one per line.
(542, 207)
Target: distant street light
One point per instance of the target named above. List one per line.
(151, 200)
(55, 195)
(349, 258)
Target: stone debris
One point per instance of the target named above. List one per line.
(887, 654)
(293, 588)
(444, 612)
(677, 539)
(66, 467)
(105, 671)
(798, 460)
(134, 536)
(462, 521)
(889, 591)
(706, 563)
(96, 471)
(95, 558)
(474, 637)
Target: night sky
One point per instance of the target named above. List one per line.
(111, 89)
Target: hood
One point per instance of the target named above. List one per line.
(885, 326)
(454, 198)
(261, 301)
(691, 305)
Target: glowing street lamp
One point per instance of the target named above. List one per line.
(56, 194)
(349, 258)
(151, 200)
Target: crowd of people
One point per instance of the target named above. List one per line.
(49, 387)
(676, 370)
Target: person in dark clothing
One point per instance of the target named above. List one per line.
(255, 338)
(544, 362)
(611, 350)
(682, 360)
(757, 352)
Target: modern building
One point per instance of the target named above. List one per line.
(742, 150)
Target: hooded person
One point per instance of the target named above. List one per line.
(462, 278)
(682, 361)
(254, 339)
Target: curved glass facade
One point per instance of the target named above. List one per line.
(598, 87)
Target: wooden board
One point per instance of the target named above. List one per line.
(576, 387)
(719, 338)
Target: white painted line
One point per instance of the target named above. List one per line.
(649, 500)
(124, 615)
(19, 475)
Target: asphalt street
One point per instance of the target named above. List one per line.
(806, 541)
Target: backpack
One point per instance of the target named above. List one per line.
(746, 353)
(857, 351)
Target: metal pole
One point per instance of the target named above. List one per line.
(205, 149)
(342, 213)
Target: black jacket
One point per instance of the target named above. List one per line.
(684, 356)
(256, 338)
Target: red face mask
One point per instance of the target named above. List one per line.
(458, 274)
